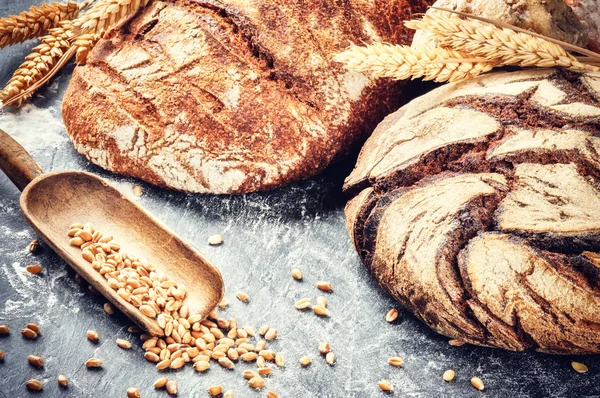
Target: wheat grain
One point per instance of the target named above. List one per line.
(35, 22)
(106, 13)
(402, 62)
(504, 45)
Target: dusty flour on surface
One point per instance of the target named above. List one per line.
(35, 128)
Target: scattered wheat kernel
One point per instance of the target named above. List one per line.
(477, 383)
(302, 304)
(263, 330)
(320, 310)
(33, 269)
(62, 381)
(579, 367)
(264, 371)
(226, 363)
(305, 360)
(201, 366)
(1, 355)
(280, 360)
(228, 394)
(392, 315)
(396, 361)
(260, 362)
(385, 385)
(322, 301)
(214, 391)
(172, 387)
(224, 303)
(296, 274)
(162, 364)
(449, 375)
(249, 357)
(330, 358)
(325, 286)
(133, 393)
(177, 363)
(34, 385)
(272, 394)
(242, 296)
(148, 311)
(137, 190)
(271, 334)
(248, 374)
(456, 343)
(36, 361)
(33, 327)
(160, 383)
(92, 336)
(134, 329)
(93, 363)
(28, 333)
(124, 344)
(215, 240)
(324, 348)
(108, 308)
(256, 382)
(4, 330)
(33, 246)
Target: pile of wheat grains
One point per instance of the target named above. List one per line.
(188, 338)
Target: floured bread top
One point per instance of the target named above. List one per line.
(230, 96)
(477, 206)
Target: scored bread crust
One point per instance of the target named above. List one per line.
(232, 96)
(477, 206)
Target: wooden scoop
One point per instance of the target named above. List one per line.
(52, 201)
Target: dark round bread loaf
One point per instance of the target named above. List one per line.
(477, 206)
(229, 96)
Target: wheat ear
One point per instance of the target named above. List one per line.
(503, 45)
(403, 62)
(35, 22)
(38, 63)
(105, 13)
(82, 34)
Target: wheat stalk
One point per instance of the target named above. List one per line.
(38, 63)
(403, 62)
(35, 22)
(502, 45)
(106, 13)
(72, 38)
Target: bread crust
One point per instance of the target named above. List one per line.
(231, 96)
(477, 207)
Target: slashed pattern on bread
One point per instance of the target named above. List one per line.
(477, 206)
(232, 96)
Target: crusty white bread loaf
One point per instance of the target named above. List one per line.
(477, 206)
(232, 96)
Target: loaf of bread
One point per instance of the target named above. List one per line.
(229, 96)
(589, 12)
(477, 206)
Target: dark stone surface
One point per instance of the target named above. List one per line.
(265, 236)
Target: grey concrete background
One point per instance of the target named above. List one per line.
(266, 235)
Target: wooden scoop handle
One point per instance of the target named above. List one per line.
(16, 162)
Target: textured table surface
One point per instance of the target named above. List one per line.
(265, 236)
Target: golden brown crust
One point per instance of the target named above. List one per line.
(231, 96)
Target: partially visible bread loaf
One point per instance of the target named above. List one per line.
(553, 18)
(589, 12)
(477, 206)
(232, 96)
